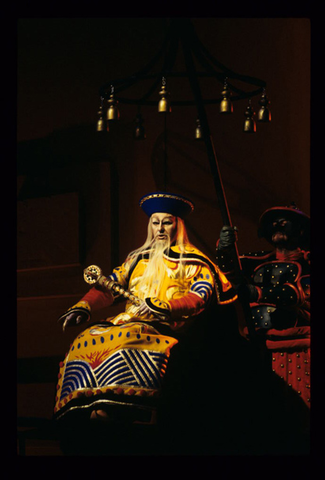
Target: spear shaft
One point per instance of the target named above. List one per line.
(187, 40)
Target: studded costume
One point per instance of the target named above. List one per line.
(122, 360)
(280, 301)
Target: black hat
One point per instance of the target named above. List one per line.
(164, 202)
(292, 213)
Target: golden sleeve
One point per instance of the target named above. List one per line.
(201, 288)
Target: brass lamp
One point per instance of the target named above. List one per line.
(164, 102)
(100, 122)
(112, 112)
(198, 130)
(226, 104)
(139, 132)
(102, 125)
(249, 124)
(264, 114)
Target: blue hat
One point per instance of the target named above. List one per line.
(164, 202)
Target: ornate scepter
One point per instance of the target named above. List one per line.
(93, 275)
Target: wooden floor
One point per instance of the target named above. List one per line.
(37, 440)
(37, 447)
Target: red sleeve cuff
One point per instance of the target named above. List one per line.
(190, 304)
(98, 299)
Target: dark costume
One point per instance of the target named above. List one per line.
(278, 290)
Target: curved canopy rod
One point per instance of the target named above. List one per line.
(181, 32)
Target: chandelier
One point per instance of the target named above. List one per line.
(161, 68)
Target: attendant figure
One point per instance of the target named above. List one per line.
(277, 286)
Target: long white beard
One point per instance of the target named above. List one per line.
(150, 283)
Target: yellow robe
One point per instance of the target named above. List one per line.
(123, 359)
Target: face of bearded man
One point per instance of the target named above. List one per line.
(164, 227)
(285, 233)
(164, 232)
(280, 234)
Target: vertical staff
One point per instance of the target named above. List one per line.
(222, 201)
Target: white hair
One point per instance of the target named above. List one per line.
(149, 283)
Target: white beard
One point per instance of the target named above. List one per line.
(150, 283)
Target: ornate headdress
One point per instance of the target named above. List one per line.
(290, 212)
(164, 202)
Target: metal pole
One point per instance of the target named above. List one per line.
(222, 201)
(187, 38)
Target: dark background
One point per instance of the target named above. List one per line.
(78, 190)
(63, 62)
